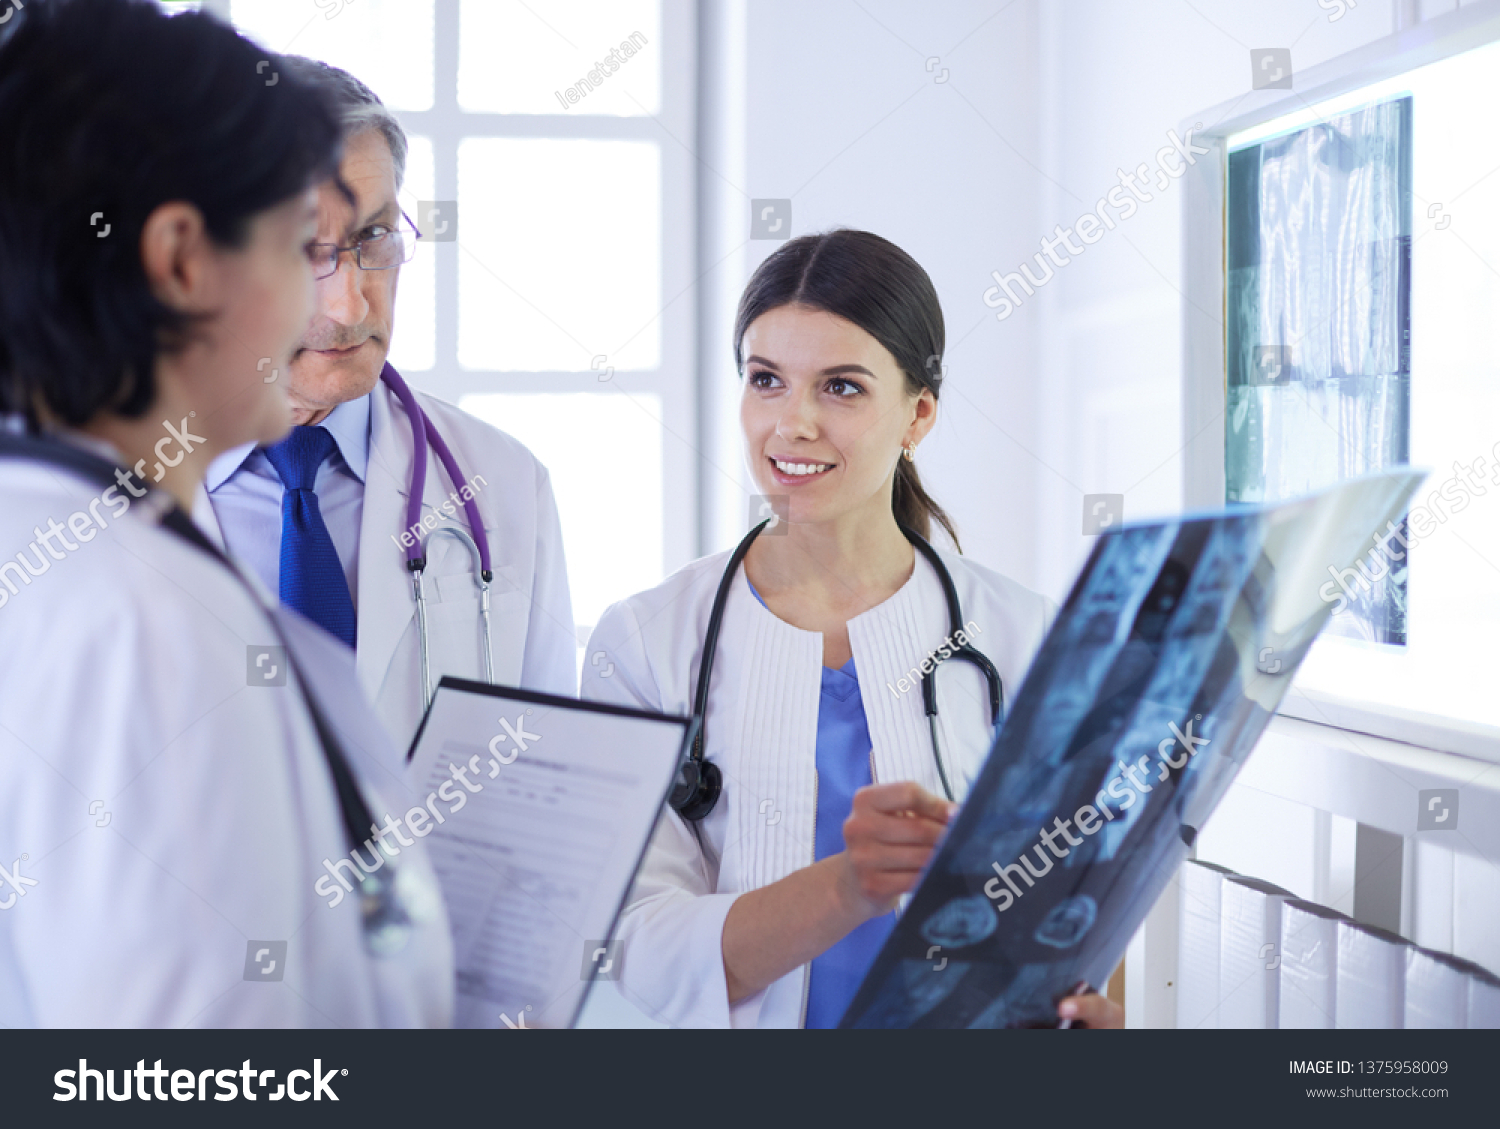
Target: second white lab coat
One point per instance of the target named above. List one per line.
(165, 796)
(531, 613)
(762, 733)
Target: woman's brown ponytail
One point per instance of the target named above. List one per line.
(915, 508)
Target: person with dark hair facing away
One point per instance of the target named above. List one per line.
(823, 784)
(180, 764)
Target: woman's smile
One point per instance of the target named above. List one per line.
(796, 472)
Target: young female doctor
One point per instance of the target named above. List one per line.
(765, 906)
(170, 784)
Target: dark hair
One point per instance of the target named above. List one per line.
(108, 109)
(871, 282)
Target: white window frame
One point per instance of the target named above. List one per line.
(672, 129)
(1205, 375)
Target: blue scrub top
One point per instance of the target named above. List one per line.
(843, 765)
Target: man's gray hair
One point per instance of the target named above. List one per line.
(356, 105)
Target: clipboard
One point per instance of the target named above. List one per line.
(547, 807)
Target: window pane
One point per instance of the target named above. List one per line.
(522, 58)
(386, 44)
(560, 254)
(610, 502)
(414, 337)
(1319, 321)
(1449, 547)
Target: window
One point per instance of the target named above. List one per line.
(1442, 679)
(553, 136)
(1318, 323)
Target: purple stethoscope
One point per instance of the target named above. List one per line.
(423, 434)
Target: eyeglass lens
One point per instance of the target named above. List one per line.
(380, 253)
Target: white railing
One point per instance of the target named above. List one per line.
(1400, 845)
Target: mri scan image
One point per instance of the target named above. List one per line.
(1144, 701)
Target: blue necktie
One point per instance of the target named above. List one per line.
(312, 578)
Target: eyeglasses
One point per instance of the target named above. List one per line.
(390, 248)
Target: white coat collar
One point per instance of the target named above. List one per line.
(386, 605)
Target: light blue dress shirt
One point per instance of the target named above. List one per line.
(843, 766)
(246, 493)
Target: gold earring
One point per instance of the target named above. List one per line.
(911, 452)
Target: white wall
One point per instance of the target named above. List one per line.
(844, 118)
(1078, 391)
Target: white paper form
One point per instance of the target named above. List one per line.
(540, 811)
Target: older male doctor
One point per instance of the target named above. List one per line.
(321, 517)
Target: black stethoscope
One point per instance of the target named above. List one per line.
(384, 897)
(699, 781)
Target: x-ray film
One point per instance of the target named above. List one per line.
(1166, 662)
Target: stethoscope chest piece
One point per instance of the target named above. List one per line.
(391, 905)
(387, 925)
(699, 784)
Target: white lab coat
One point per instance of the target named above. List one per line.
(531, 614)
(164, 811)
(762, 733)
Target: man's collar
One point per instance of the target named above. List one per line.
(349, 424)
(224, 466)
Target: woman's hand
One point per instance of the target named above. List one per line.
(888, 838)
(1092, 1010)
